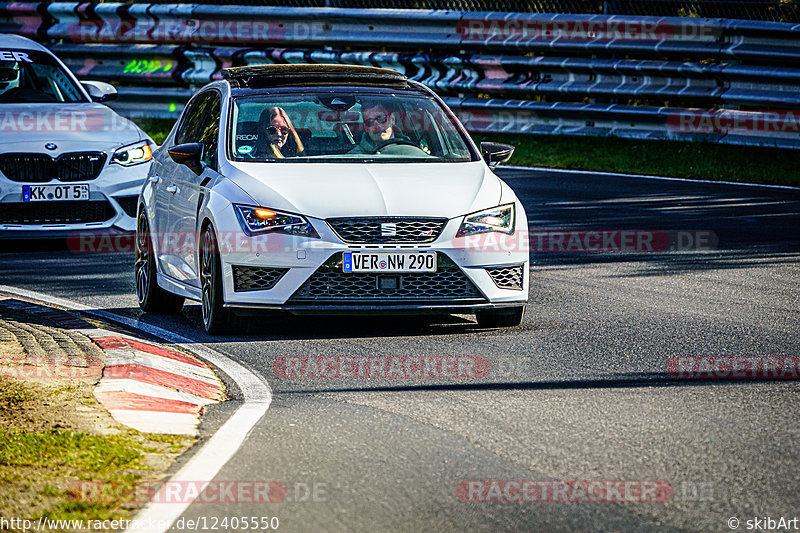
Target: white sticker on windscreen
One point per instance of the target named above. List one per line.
(10, 55)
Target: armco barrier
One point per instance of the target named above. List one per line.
(718, 80)
(773, 10)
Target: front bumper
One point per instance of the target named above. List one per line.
(304, 275)
(111, 204)
(432, 308)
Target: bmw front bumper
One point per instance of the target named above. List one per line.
(111, 204)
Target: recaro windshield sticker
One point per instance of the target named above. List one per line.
(10, 55)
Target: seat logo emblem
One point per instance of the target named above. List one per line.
(388, 229)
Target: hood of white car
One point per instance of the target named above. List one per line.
(323, 190)
(81, 126)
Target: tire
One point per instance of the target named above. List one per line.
(152, 298)
(216, 319)
(500, 318)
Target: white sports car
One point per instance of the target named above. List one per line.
(332, 189)
(67, 162)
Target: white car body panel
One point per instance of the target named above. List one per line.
(347, 189)
(320, 191)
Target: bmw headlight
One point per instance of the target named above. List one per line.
(500, 218)
(257, 220)
(133, 154)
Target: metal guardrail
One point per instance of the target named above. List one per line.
(771, 10)
(718, 80)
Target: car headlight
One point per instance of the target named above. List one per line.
(257, 220)
(133, 154)
(500, 218)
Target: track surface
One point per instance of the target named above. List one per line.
(579, 391)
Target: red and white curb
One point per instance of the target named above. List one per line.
(145, 385)
(152, 388)
(207, 462)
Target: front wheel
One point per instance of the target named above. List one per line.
(152, 298)
(500, 318)
(216, 319)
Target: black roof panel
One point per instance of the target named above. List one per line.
(256, 76)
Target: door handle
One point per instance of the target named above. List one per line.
(154, 178)
(172, 188)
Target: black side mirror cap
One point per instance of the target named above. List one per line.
(100, 91)
(496, 153)
(189, 154)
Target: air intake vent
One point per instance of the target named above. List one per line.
(256, 278)
(507, 277)
(331, 285)
(55, 212)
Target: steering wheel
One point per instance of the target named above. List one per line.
(389, 142)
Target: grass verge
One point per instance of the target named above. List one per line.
(156, 128)
(62, 457)
(705, 161)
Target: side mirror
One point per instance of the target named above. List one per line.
(100, 91)
(496, 153)
(188, 154)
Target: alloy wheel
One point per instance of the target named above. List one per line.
(206, 276)
(142, 258)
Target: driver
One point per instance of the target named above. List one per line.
(380, 126)
(9, 77)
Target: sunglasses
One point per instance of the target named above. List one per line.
(377, 119)
(272, 130)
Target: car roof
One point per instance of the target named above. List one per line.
(8, 40)
(302, 75)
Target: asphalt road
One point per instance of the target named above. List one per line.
(579, 391)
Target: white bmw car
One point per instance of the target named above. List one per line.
(67, 162)
(328, 189)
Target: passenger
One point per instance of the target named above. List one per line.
(277, 138)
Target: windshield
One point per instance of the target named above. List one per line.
(28, 76)
(344, 127)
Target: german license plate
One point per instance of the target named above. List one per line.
(389, 262)
(45, 193)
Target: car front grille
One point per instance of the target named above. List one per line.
(256, 278)
(56, 212)
(330, 284)
(41, 168)
(507, 277)
(387, 230)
